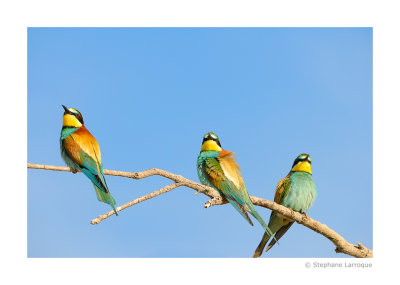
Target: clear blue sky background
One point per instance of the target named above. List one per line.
(148, 95)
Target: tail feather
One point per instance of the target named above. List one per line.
(241, 210)
(276, 225)
(262, 244)
(105, 197)
(278, 235)
(256, 215)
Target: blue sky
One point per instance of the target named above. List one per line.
(148, 95)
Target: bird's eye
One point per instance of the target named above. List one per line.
(78, 115)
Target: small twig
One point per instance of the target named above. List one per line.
(219, 200)
(163, 190)
(342, 245)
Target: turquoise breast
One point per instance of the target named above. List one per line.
(302, 192)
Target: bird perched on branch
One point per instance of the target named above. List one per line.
(80, 151)
(217, 168)
(296, 191)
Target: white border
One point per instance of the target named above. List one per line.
(16, 16)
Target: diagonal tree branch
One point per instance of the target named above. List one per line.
(163, 190)
(342, 246)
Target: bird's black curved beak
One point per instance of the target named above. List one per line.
(66, 110)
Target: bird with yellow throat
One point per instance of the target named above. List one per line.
(81, 152)
(296, 191)
(218, 169)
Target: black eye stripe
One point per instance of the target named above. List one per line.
(301, 160)
(210, 138)
(79, 117)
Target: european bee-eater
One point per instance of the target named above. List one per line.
(80, 151)
(296, 191)
(218, 169)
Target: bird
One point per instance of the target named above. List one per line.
(218, 169)
(296, 191)
(81, 152)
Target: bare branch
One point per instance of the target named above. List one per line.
(210, 192)
(163, 190)
(342, 246)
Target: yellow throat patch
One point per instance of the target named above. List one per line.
(210, 145)
(302, 166)
(71, 121)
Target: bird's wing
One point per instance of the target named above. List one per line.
(87, 143)
(282, 188)
(84, 150)
(279, 224)
(229, 179)
(217, 171)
